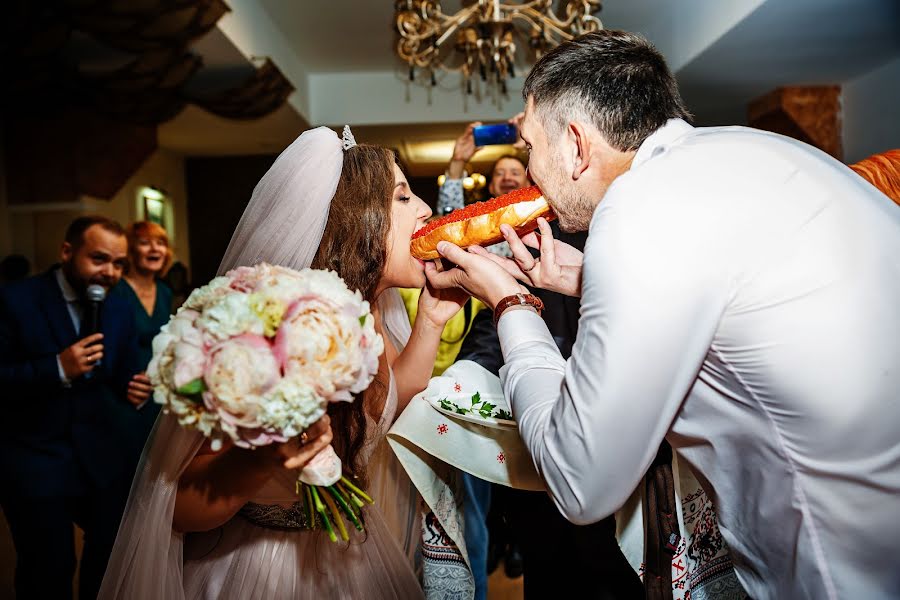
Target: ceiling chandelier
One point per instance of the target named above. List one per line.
(483, 34)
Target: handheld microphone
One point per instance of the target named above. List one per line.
(96, 294)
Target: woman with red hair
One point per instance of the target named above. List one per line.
(149, 257)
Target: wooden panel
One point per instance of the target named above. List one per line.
(57, 157)
(807, 113)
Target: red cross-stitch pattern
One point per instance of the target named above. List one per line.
(442, 429)
(501, 458)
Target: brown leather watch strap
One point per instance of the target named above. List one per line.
(517, 300)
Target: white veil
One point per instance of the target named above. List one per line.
(282, 224)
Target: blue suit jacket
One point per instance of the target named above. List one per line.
(57, 440)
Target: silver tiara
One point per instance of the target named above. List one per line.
(347, 139)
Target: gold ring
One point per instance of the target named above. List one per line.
(304, 437)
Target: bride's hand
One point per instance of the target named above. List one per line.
(439, 306)
(297, 452)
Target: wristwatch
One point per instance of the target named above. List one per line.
(517, 300)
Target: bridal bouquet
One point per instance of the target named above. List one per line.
(255, 357)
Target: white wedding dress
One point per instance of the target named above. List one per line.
(242, 560)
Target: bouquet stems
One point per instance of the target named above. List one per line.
(358, 491)
(320, 508)
(329, 501)
(332, 504)
(351, 514)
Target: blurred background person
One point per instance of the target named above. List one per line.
(477, 497)
(150, 300)
(65, 366)
(508, 173)
(14, 267)
(179, 281)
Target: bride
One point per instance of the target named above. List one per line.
(204, 524)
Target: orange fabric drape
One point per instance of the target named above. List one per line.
(883, 171)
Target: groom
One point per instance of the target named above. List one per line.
(61, 458)
(739, 299)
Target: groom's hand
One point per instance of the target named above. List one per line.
(558, 268)
(478, 275)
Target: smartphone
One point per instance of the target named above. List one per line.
(498, 133)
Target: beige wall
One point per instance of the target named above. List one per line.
(37, 231)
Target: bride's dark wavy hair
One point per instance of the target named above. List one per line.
(355, 245)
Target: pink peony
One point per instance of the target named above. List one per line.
(239, 372)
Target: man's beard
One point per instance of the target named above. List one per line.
(573, 209)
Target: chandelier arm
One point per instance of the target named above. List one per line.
(525, 6)
(544, 15)
(459, 20)
(417, 36)
(542, 19)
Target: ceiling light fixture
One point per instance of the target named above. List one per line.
(483, 34)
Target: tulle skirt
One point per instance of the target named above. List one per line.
(241, 560)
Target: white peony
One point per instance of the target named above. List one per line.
(202, 296)
(230, 315)
(291, 406)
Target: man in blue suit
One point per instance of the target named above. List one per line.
(64, 390)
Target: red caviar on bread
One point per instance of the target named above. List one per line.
(478, 224)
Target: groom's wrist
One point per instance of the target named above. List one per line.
(504, 291)
(517, 300)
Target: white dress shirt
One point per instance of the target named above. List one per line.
(73, 306)
(741, 299)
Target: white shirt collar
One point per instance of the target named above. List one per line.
(68, 291)
(659, 140)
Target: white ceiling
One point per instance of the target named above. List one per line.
(339, 54)
(359, 35)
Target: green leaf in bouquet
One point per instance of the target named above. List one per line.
(503, 414)
(362, 321)
(193, 388)
(486, 409)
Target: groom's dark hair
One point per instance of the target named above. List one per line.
(614, 79)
